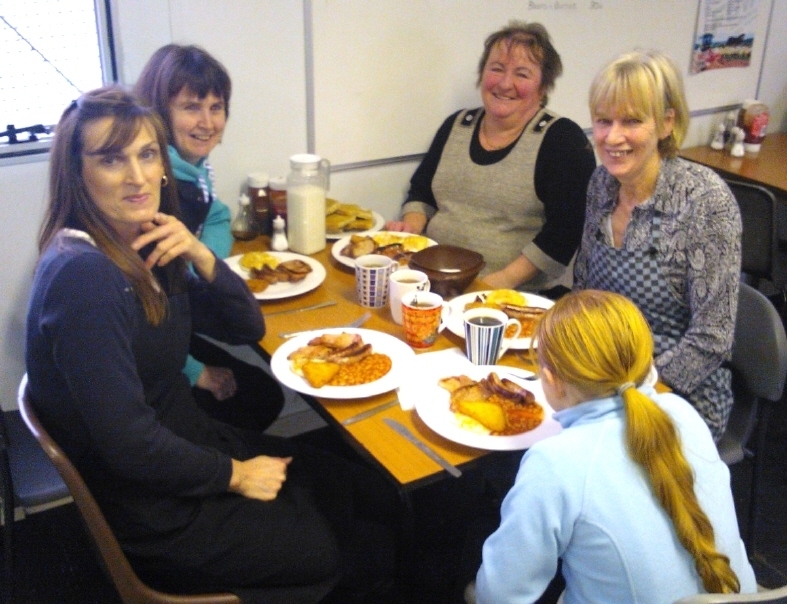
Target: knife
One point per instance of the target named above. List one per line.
(312, 307)
(405, 431)
(369, 412)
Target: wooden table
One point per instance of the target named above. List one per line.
(767, 168)
(408, 466)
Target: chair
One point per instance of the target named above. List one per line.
(130, 587)
(29, 480)
(759, 241)
(768, 595)
(759, 368)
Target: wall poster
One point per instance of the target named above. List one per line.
(725, 34)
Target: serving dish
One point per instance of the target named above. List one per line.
(379, 223)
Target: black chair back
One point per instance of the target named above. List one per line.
(758, 215)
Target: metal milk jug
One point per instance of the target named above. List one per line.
(307, 185)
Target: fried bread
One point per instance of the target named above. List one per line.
(346, 217)
(499, 405)
(342, 359)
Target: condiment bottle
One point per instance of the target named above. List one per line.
(718, 138)
(243, 227)
(753, 119)
(279, 239)
(278, 196)
(260, 201)
(307, 185)
(729, 123)
(738, 135)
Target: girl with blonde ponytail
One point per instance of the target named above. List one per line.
(631, 495)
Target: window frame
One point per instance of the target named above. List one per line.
(35, 151)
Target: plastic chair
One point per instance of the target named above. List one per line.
(768, 595)
(29, 481)
(759, 241)
(130, 587)
(759, 367)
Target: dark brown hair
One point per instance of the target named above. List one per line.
(70, 205)
(173, 68)
(534, 38)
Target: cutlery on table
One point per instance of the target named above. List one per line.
(369, 412)
(312, 307)
(357, 323)
(530, 377)
(405, 431)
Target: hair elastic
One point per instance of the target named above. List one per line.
(625, 386)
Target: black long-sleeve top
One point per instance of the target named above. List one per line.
(110, 389)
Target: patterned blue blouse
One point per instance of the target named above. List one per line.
(699, 254)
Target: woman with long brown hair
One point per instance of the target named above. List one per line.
(196, 504)
(632, 495)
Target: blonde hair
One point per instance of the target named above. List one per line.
(644, 84)
(600, 343)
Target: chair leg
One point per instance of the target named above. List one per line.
(756, 474)
(6, 591)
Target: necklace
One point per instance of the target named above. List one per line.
(486, 141)
(496, 146)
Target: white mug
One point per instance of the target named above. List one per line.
(401, 282)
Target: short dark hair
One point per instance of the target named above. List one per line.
(534, 38)
(174, 67)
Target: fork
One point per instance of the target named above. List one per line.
(357, 323)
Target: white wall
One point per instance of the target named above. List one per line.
(22, 196)
(261, 44)
(773, 85)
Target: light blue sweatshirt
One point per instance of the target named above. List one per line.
(579, 496)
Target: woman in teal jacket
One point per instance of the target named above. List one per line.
(191, 91)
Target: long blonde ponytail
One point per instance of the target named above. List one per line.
(600, 343)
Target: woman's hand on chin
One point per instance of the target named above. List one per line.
(172, 240)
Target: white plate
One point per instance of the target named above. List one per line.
(456, 326)
(284, 290)
(336, 249)
(433, 406)
(401, 357)
(379, 223)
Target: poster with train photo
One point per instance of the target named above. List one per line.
(724, 35)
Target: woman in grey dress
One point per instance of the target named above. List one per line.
(508, 179)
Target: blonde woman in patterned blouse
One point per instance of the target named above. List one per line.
(662, 231)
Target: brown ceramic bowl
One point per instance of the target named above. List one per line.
(450, 268)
